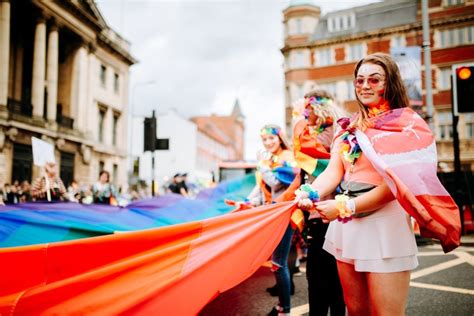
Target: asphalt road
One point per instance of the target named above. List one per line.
(443, 284)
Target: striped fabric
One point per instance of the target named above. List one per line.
(402, 148)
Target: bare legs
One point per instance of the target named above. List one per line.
(368, 293)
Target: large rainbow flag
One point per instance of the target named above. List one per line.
(171, 270)
(33, 223)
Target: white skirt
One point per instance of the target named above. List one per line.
(381, 242)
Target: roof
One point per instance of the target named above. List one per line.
(370, 17)
(237, 110)
(295, 3)
(206, 125)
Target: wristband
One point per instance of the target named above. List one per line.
(345, 213)
(350, 204)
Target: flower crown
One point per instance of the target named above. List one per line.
(270, 131)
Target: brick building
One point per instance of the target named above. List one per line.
(64, 77)
(322, 50)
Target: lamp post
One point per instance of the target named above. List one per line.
(130, 120)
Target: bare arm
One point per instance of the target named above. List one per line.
(370, 201)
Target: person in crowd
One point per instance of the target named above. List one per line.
(103, 191)
(25, 193)
(2, 195)
(372, 238)
(74, 192)
(174, 185)
(49, 187)
(182, 184)
(313, 133)
(276, 170)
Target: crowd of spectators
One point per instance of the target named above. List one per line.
(102, 192)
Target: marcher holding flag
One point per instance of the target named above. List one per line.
(386, 157)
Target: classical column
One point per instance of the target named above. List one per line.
(39, 59)
(52, 72)
(79, 91)
(4, 50)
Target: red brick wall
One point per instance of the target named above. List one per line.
(340, 54)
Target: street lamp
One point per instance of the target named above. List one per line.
(130, 119)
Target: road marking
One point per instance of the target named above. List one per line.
(442, 288)
(437, 268)
(300, 310)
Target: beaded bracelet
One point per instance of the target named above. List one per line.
(307, 192)
(345, 207)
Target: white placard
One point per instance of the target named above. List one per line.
(43, 152)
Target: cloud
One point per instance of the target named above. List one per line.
(204, 54)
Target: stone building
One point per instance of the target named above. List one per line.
(322, 50)
(64, 78)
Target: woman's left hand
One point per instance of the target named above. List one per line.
(328, 210)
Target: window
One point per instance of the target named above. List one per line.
(330, 87)
(299, 60)
(445, 125)
(115, 174)
(300, 91)
(101, 124)
(469, 126)
(103, 75)
(116, 83)
(114, 129)
(448, 3)
(299, 26)
(341, 22)
(350, 90)
(355, 52)
(323, 57)
(101, 167)
(458, 36)
(444, 79)
(397, 41)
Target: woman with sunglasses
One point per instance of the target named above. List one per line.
(386, 157)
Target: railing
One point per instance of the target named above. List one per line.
(65, 121)
(20, 107)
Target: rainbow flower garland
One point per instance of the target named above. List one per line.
(350, 148)
(306, 191)
(269, 131)
(382, 108)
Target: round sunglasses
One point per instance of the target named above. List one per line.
(372, 81)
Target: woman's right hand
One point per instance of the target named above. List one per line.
(305, 204)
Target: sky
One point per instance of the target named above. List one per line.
(197, 57)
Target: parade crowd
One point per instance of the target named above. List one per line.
(101, 192)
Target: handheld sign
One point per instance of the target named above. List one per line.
(43, 152)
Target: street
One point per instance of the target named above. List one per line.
(443, 284)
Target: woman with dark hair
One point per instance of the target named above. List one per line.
(386, 157)
(103, 191)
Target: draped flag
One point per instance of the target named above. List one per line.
(33, 223)
(173, 270)
(309, 153)
(402, 149)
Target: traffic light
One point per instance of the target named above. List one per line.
(463, 88)
(150, 134)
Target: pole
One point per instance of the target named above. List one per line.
(427, 60)
(459, 184)
(153, 164)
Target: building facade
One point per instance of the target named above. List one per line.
(322, 50)
(64, 78)
(196, 146)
